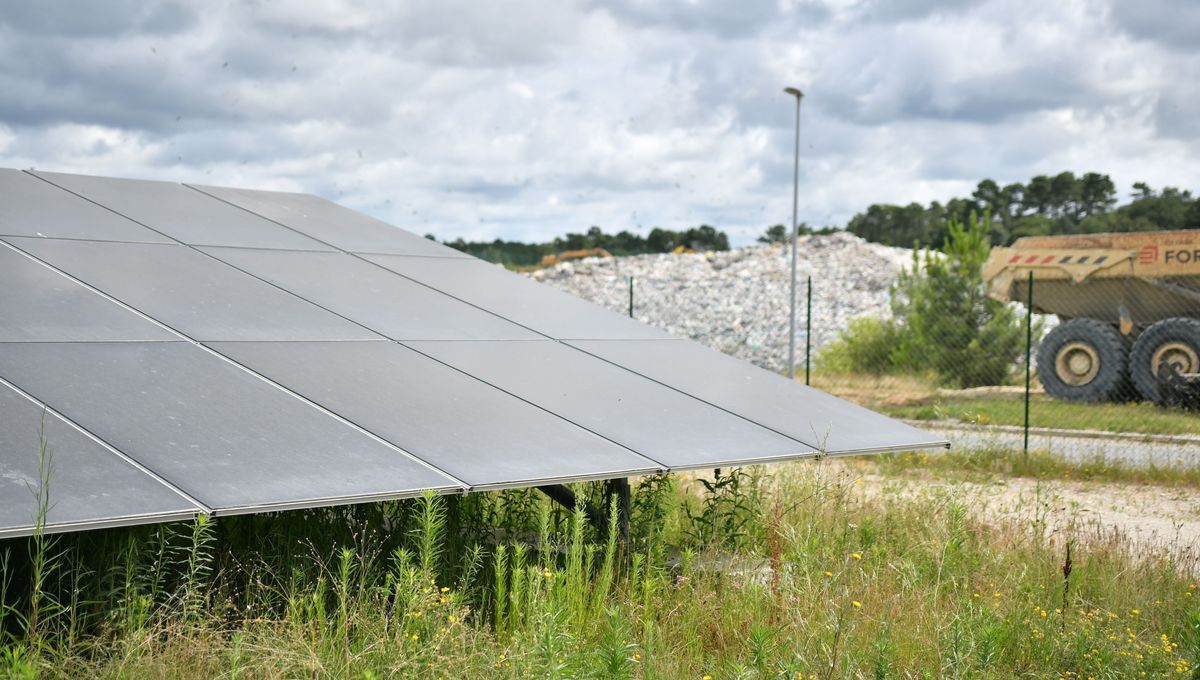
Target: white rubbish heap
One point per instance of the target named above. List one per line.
(737, 301)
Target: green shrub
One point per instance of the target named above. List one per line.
(944, 323)
(866, 346)
(947, 323)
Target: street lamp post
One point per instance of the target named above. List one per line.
(795, 228)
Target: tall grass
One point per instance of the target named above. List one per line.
(800, 572)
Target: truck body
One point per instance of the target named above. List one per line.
(1116, 294)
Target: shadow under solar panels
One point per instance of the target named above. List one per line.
(379, 299)
(829, 424)
(191, 292)
(454, 422)
(40, 304)
(182, 213)
(661, 423)
(326, 221)
(89, 486)
(534, 305)
(224, 436)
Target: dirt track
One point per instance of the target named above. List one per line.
(1149, 517)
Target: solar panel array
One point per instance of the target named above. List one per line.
(180, 349)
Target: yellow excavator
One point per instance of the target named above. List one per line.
(566, 255)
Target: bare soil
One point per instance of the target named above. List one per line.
(1148, 517)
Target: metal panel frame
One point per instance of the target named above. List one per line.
(802, 450)
(113, 521)
(625, 331)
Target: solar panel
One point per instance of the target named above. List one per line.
(40, 304)
(474, 432)
(33, 207)
(331, 223)
(216, 358)
(666, 425)
(195, 294)
(89, 485)
(222, 435)
(533, 305)
(829, 424)
(372, 296)
(181, 213)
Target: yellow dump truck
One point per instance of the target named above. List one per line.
(1129, 307)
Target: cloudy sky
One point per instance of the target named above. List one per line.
(527, 119)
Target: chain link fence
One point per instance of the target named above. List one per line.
(1098, 369)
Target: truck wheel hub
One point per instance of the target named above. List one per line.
(1077, 363)
(1178, 354)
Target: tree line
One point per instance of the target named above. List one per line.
(1065, 203)
(1046, 205)
(518, 254)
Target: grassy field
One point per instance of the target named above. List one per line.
(1044, 411)
(912, 397)
(986, 464)
(802, 573)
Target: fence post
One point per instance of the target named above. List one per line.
(1028, 355)
(631, 297)
(808, 336)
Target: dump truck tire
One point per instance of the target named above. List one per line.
(1083, 360)
(1174, 341)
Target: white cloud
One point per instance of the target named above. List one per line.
(526, 119)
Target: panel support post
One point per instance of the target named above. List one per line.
(562, 494)
(620, 488)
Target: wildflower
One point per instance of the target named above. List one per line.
(858, 481)
(856, 604)
(637, 657)
(857, 556)
(415, 637)
(707, 677)
(829, 573)
(996, 595)
(445, 589)
(1134, 612)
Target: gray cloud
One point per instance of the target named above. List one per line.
(1160, 21)
(525, 119)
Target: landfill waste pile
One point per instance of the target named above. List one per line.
(737, 301)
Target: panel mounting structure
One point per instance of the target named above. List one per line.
(175, 349)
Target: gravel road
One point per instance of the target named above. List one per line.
(1130, 451)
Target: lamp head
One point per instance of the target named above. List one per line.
(794, 92)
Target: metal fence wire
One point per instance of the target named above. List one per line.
(1078, 352)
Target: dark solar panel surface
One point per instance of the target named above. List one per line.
(202, 349)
